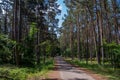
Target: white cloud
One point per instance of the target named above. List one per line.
(60, 7)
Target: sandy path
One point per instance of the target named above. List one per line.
(68, 72)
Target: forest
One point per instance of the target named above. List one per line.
(91, 31)
(30, 37)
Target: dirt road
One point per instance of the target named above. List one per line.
(68, 72)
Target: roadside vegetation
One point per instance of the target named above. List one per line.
(11, 72)
(105, 70)
(28, 40)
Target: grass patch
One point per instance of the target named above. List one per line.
(105, 70)
(11, 72)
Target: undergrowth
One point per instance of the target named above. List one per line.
(105, 70)
(11, 72)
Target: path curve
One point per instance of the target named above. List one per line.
(68, 72)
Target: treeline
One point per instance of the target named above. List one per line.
(91, 31)
(28, 31)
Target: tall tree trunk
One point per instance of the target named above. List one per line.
(109, 30)
(101, 31)
(71, 40)
(99, 24)
(78, 38)
(114, 5)
(0, 27)
(20, 22)
(16, 32)
(93, 31)
(38, 47)
(87, 46)
(5, 21)
(100, 37)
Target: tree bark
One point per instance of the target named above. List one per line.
(114, 5)
(78, 38)
(71, 40)
(16, 31)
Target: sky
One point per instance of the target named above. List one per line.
(63, 9)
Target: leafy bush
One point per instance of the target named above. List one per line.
(113, 50)
(67, 52)
(27, 47)
(6, 47)
(13, 73)
(10, 72)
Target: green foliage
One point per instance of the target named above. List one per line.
(113, 50)
(6, 46)
(67, 52)
(41, 69)
(10, 72)
(27, 47)
(50, 48)
(33, 30)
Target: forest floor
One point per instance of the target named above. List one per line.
(65, 71)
